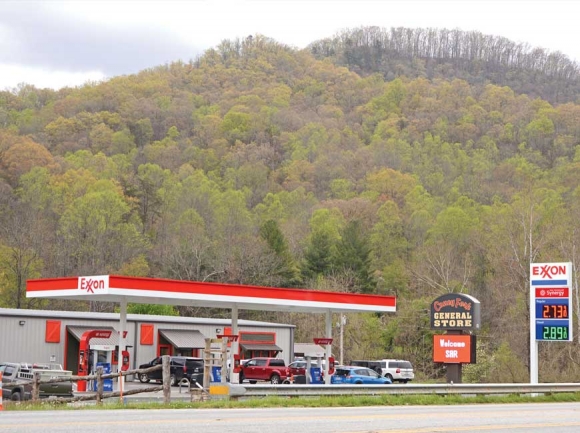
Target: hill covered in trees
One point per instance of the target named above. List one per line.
(261, 164)
(440, 53)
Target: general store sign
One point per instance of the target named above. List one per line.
(455, 311)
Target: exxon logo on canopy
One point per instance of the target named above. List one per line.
(550, 273)
(97, 284)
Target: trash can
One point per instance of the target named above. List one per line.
(216, 374)
(107, 383)
(315, 375)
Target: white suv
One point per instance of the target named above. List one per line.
(397, 370)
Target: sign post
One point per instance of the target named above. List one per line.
(550, 307)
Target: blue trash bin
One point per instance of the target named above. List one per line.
(316, 375)
(107, 383)
(216, 374)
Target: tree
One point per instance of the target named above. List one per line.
(143, 132)
(353, 253)
(22, 157)
(287, 268)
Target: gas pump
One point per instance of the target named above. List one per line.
(102, 356)
(125, 362)
(237, 364)
(84, 354)
(83, 363)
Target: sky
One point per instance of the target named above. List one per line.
(61, 43)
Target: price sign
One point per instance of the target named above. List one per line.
(551, 284)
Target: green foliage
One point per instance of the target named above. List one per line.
(152, 309)
(353, 254)
(257, 159)
(286, 268)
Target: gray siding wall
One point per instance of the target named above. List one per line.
(26, 343)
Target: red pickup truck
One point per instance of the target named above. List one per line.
(273, 370)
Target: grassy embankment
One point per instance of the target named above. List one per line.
(338, 401)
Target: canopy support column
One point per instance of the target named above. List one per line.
(234, 350)
(122, 340)
(328, 349)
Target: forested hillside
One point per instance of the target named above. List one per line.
(261, 164)
(440, 53)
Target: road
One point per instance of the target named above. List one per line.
(535, 418)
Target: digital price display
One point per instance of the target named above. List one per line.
(552, 309)
(552, 330)
(555, 333)
(552, 313)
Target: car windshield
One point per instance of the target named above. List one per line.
(342, 372)
(406, 364)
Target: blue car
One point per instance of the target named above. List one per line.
(358, 375)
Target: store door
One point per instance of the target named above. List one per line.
(165, 349)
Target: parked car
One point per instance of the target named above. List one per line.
(273, 370)
(398, 370)
(358, 375)
(17, 380)
(179, 367)
(299, 367)
(373, 365)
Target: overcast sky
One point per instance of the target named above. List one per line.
(65, 43)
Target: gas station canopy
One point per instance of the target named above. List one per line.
(113, 288)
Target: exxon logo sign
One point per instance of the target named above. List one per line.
(91, 285)
(549, 271)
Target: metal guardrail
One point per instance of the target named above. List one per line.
(259, 390)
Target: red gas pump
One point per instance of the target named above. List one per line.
(331, 363)
(237, 367)
(125, 361)
(84, 354)
(83, 363)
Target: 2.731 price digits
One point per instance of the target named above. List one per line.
(555, 312)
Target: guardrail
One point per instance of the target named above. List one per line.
(258, 390)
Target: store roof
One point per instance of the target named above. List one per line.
(78, 331)
(184, 338)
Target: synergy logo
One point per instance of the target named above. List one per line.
(97, 284)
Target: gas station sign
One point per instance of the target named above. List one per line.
(552, 296)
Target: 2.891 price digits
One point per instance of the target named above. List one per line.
(555, 312)
(555, 333)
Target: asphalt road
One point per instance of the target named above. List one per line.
(535, 418)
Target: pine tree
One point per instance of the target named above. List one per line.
(287, 268)
(353, 254)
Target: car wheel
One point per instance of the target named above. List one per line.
(404, 381)
(253, 382)
(172, 380)
(144, 378)
(390, 377)
(358, 382)
(275, 379)
(16, 396)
